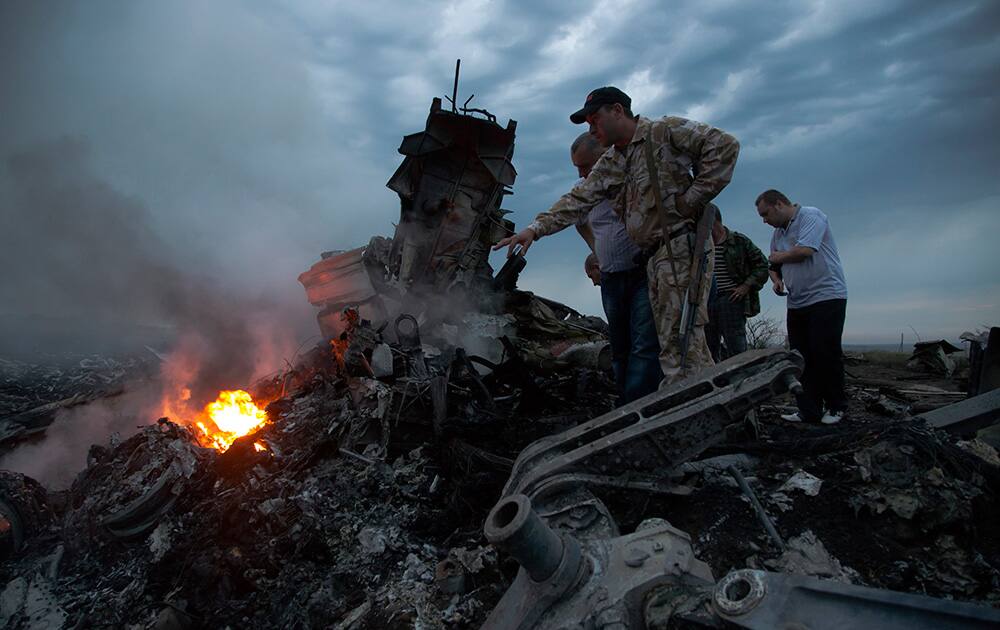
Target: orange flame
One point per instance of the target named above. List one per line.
(234, 415)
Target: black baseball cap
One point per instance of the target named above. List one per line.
(601, 96)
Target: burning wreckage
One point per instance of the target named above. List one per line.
(351, 491)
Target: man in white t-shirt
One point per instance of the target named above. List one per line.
(805, 266)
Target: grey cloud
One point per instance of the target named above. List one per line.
(256, 137)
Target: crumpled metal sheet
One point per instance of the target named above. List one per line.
(450, 185)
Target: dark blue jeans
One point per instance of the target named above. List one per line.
(727, 323)
(635, 348)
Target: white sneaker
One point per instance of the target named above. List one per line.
(791, 417)
(832, 417)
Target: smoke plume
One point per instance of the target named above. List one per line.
(76, 249)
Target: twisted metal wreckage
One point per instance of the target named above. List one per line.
(578, 569)
(388, 306)
(591, 575)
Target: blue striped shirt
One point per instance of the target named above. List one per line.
(615, 250)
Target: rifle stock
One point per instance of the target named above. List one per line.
(692, 297)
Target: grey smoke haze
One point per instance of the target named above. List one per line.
(102, 262)
(107, 265)
(55, 461)
(104, 270)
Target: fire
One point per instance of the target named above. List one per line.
(234, 414)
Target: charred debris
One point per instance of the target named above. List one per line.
(449, 456)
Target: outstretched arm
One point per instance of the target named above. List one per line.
(604, 181)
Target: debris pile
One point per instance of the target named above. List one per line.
(353, 511)
(933, 357)
(443, 398)
(31, 394)
(25, 386)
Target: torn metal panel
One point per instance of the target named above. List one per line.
(340, 278)
(967, 416)
(984, 360)
(932, 356)
(340, 282)
(450, 185)
(34, 604)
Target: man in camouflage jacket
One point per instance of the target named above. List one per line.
(694, 162)
(740, 272)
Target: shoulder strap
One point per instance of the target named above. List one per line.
(654, 184)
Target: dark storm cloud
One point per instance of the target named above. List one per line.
(258, 137)
(879, 113)
(207, 112)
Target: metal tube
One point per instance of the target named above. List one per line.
(454, 90)
(515, 528)
(761, 514)
(792, 384)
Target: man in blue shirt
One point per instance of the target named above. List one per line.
(806, 267)
(635, 348)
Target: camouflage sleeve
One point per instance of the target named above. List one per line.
(757, 263)
(713, 153)
(604, 182)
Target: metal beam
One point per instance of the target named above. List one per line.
(968, 416)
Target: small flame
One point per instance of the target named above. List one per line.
(260, 448)
(234, 415)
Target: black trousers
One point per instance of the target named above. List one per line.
(815, 331)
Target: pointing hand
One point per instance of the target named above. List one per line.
(524, 238)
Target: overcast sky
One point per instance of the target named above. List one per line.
(245, 138)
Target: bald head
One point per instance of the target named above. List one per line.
(587, 142)
(592, 267)
(584, 152)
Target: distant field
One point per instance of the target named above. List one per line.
(885, 357)
(868, 347)
(894, 347)
(889, 355)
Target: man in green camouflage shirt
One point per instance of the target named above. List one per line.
(740, 272)
(694, 162)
